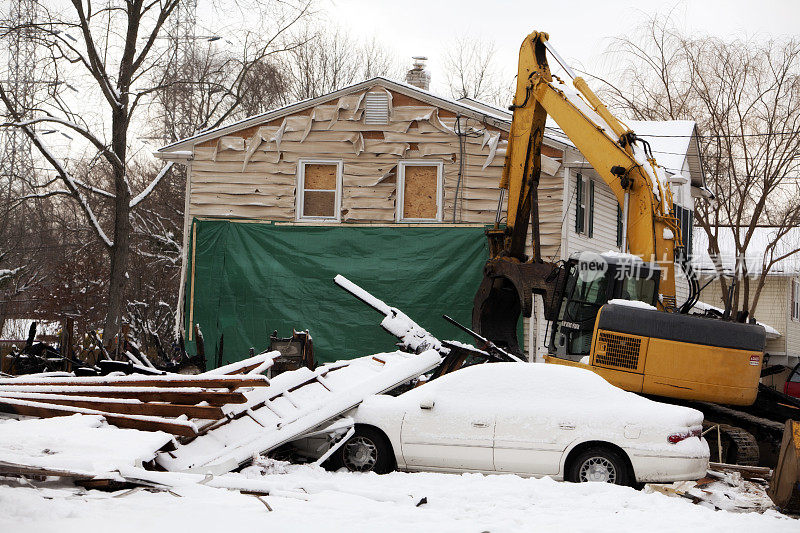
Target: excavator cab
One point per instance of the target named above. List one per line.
(591, 281)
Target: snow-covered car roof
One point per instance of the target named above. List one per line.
(581, 394)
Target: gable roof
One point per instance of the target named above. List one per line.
(486, 116)
(466, 107)
(674, 142)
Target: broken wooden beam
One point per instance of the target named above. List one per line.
(176, 380)
(85, 479)
(188, 396)
(747, 472)
(140, 422)
(122, 406)
(245, 366)
(16, 469)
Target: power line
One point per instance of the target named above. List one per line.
(775, 133)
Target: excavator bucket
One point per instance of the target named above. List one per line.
(506, 292)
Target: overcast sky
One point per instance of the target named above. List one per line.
(580, 29)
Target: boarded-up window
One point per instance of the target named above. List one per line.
(319, 185)
(420, 191)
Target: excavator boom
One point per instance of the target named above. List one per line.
(607, 145)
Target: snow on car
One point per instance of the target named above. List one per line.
(531, 420)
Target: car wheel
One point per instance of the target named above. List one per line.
(367, 450)
(598, 464)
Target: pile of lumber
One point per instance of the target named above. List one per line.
(173, 403)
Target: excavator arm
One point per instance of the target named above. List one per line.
(613, 150)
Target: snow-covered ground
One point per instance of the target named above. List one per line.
(470, 502)
(335, 501)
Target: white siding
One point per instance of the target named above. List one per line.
(604, 234)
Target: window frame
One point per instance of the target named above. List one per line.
(301, 178)
(584, 205)
(794, 302)
(401, 183)
(685, 217)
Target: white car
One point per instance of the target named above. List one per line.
(531, 420)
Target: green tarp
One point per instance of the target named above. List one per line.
(253, 278)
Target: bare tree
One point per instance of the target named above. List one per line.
(330, 59)
(744, 96)
(110, 53)
(470, 71)
(217, 76)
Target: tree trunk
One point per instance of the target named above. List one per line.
(120, 251)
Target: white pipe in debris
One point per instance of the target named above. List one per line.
(362, 295)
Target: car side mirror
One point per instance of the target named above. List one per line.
(426, 403)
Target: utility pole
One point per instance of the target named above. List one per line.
(16, 159)
(177, 99)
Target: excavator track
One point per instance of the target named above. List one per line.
(738, 446)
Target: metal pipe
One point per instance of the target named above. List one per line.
(625, 221)
(559, 59)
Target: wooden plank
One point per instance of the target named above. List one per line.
(176, 380)
(784, 488)
(15, 469)
(187, 396)
(122, 406)
(143, 423)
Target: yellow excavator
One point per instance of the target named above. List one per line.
(616, 314)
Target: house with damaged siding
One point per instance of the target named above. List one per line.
(383, 182)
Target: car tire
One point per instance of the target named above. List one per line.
(599, 464)
(368, 450)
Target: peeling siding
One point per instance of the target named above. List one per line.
(252, 173)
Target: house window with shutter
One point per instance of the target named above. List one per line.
(685, 224)
(319, 189)
(795, 299)
(584, 206)
(419, 191)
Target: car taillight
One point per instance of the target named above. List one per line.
(677, 437)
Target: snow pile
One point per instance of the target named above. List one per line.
(84, 443)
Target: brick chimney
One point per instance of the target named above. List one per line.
(418, 76)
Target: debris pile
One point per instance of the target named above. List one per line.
(726, 487)
(173, 403)
(221, 419)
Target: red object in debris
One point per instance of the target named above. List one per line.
(792, 386)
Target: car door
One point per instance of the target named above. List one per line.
(531, 439)
(447, 432)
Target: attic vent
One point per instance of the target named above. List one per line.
(376, 108)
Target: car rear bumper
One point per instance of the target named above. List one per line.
(665, 469)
